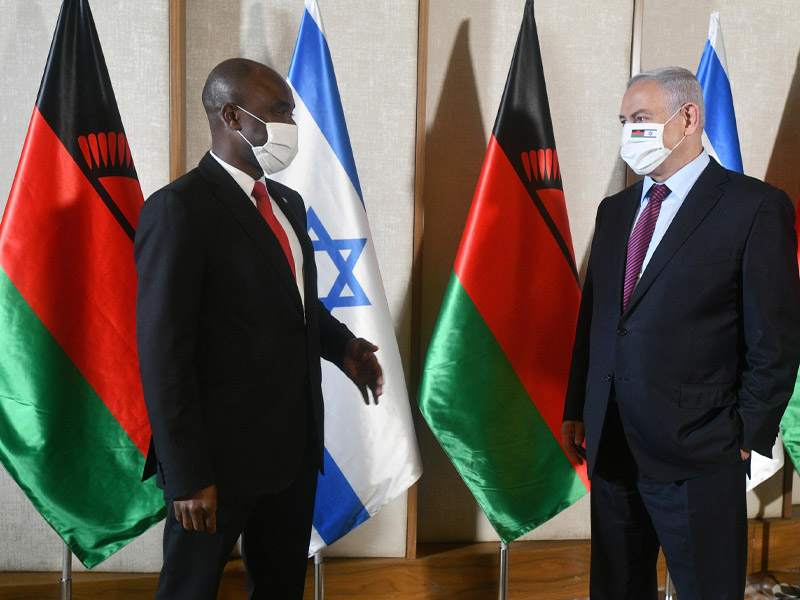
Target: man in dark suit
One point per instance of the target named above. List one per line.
(686, 352)
(230, 334)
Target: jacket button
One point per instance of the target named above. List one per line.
(622, 331)
(608, 376)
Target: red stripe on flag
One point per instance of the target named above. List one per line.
(73, 263)
(519, 280)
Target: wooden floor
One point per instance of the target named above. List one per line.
(547, 570)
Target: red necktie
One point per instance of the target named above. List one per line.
(640, 238)
(265, 208)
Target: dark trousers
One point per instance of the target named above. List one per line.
(275, 529)
(700, 523)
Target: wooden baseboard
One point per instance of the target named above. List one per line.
(545, 570)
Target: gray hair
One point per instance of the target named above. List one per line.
(680, 86)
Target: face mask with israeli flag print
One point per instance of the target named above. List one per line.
(642, 145)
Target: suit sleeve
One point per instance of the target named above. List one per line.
(771, 322)
(333, 336)
(579, 366)
(169, 264)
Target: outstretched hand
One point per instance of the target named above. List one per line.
(361, 366)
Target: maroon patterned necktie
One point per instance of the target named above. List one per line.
(640, 238)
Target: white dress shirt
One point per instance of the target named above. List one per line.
(246, 183)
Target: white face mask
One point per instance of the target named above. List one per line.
(642, 145)
(281, 146)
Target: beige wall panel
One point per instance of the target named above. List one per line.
(135, 44)
(374, 51)
(585, 51)
(762, 45)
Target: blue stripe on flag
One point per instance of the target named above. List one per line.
(338, 508)
(311, 74)
(720, 118)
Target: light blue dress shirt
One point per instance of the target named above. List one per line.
(679, 185)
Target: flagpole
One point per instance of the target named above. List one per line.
(636, 62)
(319, 577)
(503, 584)
(66, 573)
(669, 589)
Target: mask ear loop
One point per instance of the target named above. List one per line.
(264, 122)
(680, 108)
(245, 139)
(257, 119)
(665, 125)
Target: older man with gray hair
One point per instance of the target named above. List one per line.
(686, 352)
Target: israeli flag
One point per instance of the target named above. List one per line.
(721, 140)
(371, 454)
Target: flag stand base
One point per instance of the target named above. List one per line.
(669, 589)
(503, 583)
(66, 573)
(319, 577)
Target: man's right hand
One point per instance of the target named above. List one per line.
(198, 511)
(573, 435)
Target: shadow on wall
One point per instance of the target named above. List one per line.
(767, 493)
(782, 171)
(455, 146)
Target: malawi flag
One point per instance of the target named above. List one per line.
(790, 423)
(496, 372)
(73, 426)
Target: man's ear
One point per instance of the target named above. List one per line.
(228, 114)
(691, 118)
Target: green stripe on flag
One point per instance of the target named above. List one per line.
(62, 445)
(478, 409)
(790, 425)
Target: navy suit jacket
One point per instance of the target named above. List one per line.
(705, 356)
(229, 360)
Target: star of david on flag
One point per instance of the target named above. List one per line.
(371, 454)
(344, 254)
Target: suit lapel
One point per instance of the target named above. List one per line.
(228, 192)
(702, 198)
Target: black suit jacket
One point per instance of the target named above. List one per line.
(705, 356)
(230, 361)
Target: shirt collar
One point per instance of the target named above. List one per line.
(681, 182)
(240, 177)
